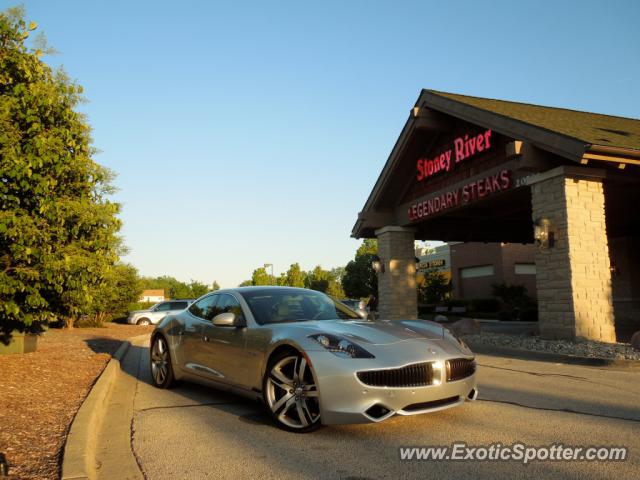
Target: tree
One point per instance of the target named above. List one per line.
(434, 288)
(337, 273)
(197, 289)
(324, 281)
(246, 283)
(334, 289)
(359, 279)
(174, 288)
(369, 246)
(58, 228)
(295, 277)
(317, 279)
(122, 288)
(215, 286)
(261, 277)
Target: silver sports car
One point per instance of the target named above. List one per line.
(311, 359)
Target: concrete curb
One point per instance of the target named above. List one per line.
(79, 460)
(618, 364)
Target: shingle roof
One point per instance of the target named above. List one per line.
(153, 293)
(591, 128)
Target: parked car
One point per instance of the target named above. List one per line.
(153, 315)
(311, 359)
(355, 304)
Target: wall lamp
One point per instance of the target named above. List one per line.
(543, 233)
(377, 264)
(615, 271)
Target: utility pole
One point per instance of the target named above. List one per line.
(267, 265)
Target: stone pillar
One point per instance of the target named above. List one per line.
(573, 276)
(397, 283)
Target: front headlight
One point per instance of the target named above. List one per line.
(341, 346)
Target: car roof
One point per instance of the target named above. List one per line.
(266, 288)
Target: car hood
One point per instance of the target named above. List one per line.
(378, 332)
(135, 312)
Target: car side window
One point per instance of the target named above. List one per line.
(163, 307)
(205, 308)
(178, 305)
(228, 303)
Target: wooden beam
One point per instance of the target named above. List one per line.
(514, 148)
(608, 158)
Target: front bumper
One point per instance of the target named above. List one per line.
(345, 399)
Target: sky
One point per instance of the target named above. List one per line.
(245, 133)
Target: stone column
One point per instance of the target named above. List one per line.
(397, 283)
(573, 276)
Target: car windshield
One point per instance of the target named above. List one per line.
(272, 305)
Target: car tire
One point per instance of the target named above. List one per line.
(160, 363)
(291, 394)
(143, 321)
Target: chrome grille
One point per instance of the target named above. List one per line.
(460, 368)
(416, 375)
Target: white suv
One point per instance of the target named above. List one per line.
(156, 313)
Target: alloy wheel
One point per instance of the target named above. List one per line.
(291, 393)
(159, 361)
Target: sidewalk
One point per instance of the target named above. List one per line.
(99, 441)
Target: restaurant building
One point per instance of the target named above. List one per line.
(468, 169)
(474, 267)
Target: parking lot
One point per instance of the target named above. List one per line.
(196, 432)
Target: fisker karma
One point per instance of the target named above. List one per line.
(311, 359)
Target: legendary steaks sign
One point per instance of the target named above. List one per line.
(462, 149)
(468, 193)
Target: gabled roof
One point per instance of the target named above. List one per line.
(590, 128)
(582, 137)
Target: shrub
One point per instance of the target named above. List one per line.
(513, 301)
(97, 320)
(457, 302)
(434, 288)
(141, 305)
(487, 305)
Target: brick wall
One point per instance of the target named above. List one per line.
(503, 257)
(397, 284)
(513, 253)
(573, 277)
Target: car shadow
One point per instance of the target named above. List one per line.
(103, 344)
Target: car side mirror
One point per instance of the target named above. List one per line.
(362, 313)
(228, 319)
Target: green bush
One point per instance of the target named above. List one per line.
(513, 301)
(425, 308)
(96, 320)
(484, 305)
(484, 315)
(434, 288)
(457, 302)
(141, 305)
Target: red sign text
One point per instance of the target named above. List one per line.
(466, 194)
(463, 148)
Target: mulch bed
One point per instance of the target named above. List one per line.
(41, 392)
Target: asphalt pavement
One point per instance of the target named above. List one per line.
(196, 432)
